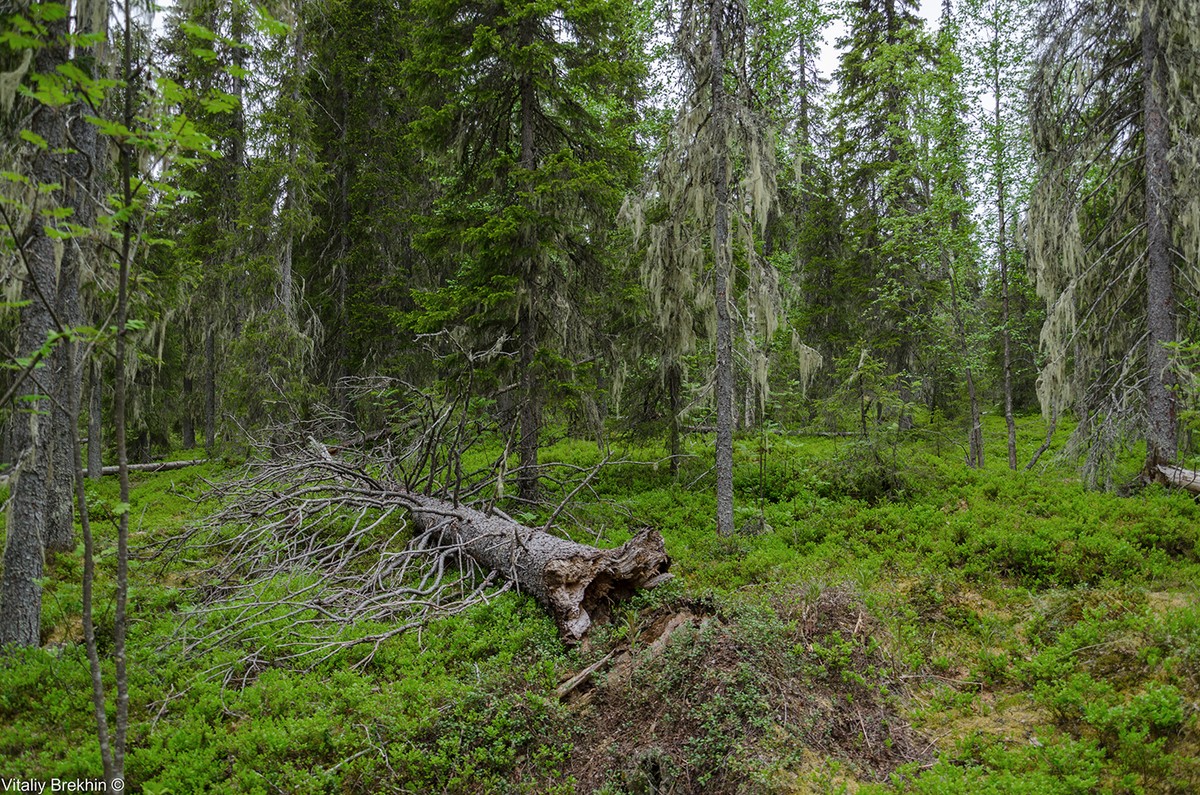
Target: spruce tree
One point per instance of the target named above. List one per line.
(526, 121)
(1112, 227)
(877, 154)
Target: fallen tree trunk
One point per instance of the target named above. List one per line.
(1180, 478)
(338, 547)
(157, 466)
(576, 583)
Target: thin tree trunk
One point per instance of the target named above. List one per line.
(20, 589)
(5, 441)
(531, 407)
(89, 577)
(187, 417)
(674, 398)
(721, 267)
(95, 426)
(120, 619)
(285, 265)
(1161, 441)
(1002, 253)
(210, 391)
(1049, 438)
(975, 434)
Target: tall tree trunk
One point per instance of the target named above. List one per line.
(999, 152)
(721, 266)
(120, 378)
(79, 177)
(975, 434)
(531, 406)
(1160, 298)
(20, 589)
(286, 286)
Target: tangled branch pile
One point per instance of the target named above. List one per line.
(313, 554)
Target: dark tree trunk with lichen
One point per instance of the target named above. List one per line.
(721, 268)
(20, 588)
(531, 407)
(1161, 447)
(77, 192)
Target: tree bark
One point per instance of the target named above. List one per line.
(68, 375)
(95, 426)
(1002, 251)
(20, 591)
(531, 407)
(1161, 442)
(210, 391)
(574, 582)
(721, 267)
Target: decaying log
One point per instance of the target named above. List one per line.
(157, 466)
(576, 583)
(342, 545)
(1180, 478)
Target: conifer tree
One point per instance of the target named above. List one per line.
(526, 120)
(1112, 225)
(949, 229)
(877, 155)
(707, 207)
(358, 261)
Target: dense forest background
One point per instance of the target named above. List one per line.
(618, 218)
(228, 229)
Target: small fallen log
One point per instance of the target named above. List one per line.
(156, 466)
(1179, 477)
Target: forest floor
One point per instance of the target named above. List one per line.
(887, 620)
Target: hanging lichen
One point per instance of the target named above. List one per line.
(672, 217)
(1086, 233)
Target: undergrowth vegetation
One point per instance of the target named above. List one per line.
(885, 621)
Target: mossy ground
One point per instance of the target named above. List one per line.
(887, 621)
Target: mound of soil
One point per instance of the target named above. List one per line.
(706, 702)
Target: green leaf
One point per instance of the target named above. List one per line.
(110, 128)
(219, 102)
(268, 24)
(50, 12)
(34, 138)
(18, 41)
(198, 31)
